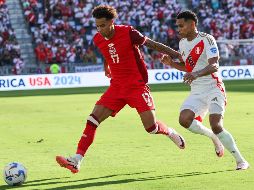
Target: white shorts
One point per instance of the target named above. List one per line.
(213, 100)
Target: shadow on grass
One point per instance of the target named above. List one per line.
(49, 179)
(234, 86)
(85, 182)
(130, 180)
(35, 181)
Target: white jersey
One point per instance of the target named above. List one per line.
(195, 54)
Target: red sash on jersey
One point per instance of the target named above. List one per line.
(194, 55)
(218, 83)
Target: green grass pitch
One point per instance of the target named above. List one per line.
(35, 126)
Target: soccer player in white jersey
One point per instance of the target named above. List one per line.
(200, 62)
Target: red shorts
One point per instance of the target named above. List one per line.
(116, 98)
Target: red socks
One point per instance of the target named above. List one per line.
(158, 128)
(88, 135)
(92, 123)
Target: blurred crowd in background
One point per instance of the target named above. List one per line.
(62, 30)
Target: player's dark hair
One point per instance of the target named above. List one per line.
(188, 15)
(104, 11)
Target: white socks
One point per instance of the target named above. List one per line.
(198, 128)
(225, 137)
(229, 143)
(78, 157)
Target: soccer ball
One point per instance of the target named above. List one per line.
(14, 174)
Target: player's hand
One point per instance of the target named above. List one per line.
(107, 72)
(189, 77)
(167, 60)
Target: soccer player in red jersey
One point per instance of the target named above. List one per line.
(201, 61)
(124, 64)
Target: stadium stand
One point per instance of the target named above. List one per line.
(9, 47)
(230, 20)
(62, 30)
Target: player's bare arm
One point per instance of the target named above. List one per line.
(211, 68)
(167, 60)
(162, 48)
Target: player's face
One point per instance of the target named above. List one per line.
(104, 27)
(184, 27)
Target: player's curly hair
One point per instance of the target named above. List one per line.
(188, 15)
(104, 11)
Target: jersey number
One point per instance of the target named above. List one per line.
(112, 52)
(148, 99)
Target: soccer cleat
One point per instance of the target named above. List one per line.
(176, 138)
(242, 165)
(219, 148)
(70, 163)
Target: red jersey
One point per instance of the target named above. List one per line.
(123, 56)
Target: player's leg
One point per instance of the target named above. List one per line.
(157, 127)
(216, 122)
(108, 105)
(99, 114)
(142, 100)
(194, 106)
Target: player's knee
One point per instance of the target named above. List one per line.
(185, 121)
(186, 117)
(216, 128)
(216, 123)
(93, 120)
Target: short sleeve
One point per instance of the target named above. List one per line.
(180, 46)
(136, 37)
(211, 47)
(92, 44)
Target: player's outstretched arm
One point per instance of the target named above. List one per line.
(162, 48)
(167, 60)
(212, 67)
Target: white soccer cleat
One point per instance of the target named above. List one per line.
(176, 138)
(70, 163)
(242, 165)
(219, 148)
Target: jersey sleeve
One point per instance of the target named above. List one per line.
(95, 38)
(92, 44)
(136, 37)
(180, 46)
(211, 47)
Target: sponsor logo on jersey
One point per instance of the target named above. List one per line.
(190, 61)
(213, 50)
